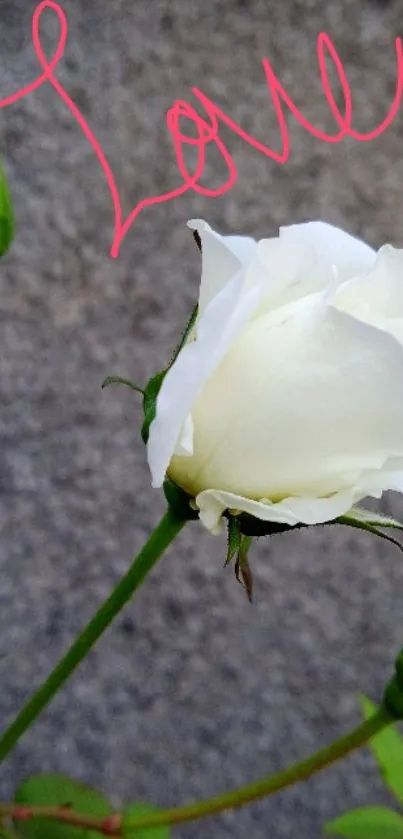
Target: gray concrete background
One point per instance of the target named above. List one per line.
(192, 690)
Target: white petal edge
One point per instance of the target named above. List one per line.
(306, 258)
(376, 296)
(212, 503)
(222, 257)
(223, 320)
(184, 445)
(331, 244)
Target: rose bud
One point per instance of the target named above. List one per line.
(285, 401)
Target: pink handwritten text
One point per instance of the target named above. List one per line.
(208, 130)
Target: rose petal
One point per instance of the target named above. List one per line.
(291, 511)
(376, 296)
(303, 260)
(222, 257)
(299, 407)
(184, 445)
(223, 320)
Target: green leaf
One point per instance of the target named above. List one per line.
(6, 214)
(58, 790)
(119, 380)
(387, 747)
(367, 823)
(137, 811)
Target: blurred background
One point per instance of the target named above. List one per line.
(192, 690)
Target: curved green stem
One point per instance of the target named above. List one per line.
(165, 532)
(118, 825)
(300, 771)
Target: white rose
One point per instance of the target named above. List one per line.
(286, 401)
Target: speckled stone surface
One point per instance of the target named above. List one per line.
(192, 690)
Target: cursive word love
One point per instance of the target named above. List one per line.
(207, 130)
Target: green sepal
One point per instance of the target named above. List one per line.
(356, 517)
(179, 501)
(371, 522)
(238, 546)
(59, 790)
(188, 329)
(119, 380)
(153, 387)
(376, 519)
(387, 747)
(151, 392)
(367, 823)
(233, 539)
(251, 526)
(243, 571)
(6, 214)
